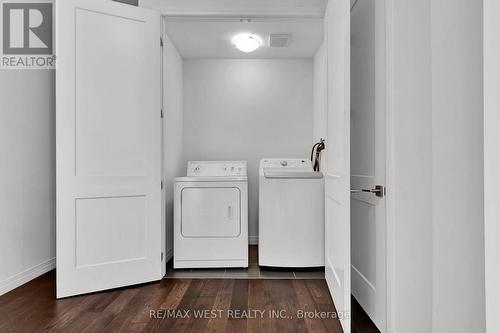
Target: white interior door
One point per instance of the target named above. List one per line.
(108, 146)
(337, 178)
(368, 169)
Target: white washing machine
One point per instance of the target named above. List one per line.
(211, 215)
(291, 214)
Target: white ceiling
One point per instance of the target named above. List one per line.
(195, 38)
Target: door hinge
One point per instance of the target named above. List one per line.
(161, 185)
(161, 113)
(161, 256)
(161, 41)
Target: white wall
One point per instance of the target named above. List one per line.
(492, 162)
(247, 110)
(173, 163)
(457, 169)
(319, 95)
(27, 175)
(438, 191)
(412, 154)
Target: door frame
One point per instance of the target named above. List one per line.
(491, 164)
(165, 257)
(389, 169)
(337, 172)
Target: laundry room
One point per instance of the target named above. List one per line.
(232, 105)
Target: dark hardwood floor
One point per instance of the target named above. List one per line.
(33, 307)
(361, 323)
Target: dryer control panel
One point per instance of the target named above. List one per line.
(217, 168)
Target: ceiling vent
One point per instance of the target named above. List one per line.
(279, 40)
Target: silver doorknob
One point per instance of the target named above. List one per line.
(379, 191)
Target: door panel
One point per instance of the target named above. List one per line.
(210, 212)
(368, 221)
(121, 222)
(100, 103)
(337, 178)
(108, 146)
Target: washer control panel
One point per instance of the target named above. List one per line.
(217, 169)
(286, 163)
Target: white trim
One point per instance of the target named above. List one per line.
(334, 274)
(31, 273)
(391, 195)
(362, 277)
(254, 15)
(491, 164)
(247, 11)
(162, 136)
(225, 18)
(253, 240)
(331, 278)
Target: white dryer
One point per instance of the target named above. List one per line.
(211, 215)
(291, 214)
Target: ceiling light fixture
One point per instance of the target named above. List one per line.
(247, 42)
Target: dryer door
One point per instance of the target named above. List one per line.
(210, 212)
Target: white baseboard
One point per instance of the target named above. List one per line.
(253, 240)
(31, 273)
